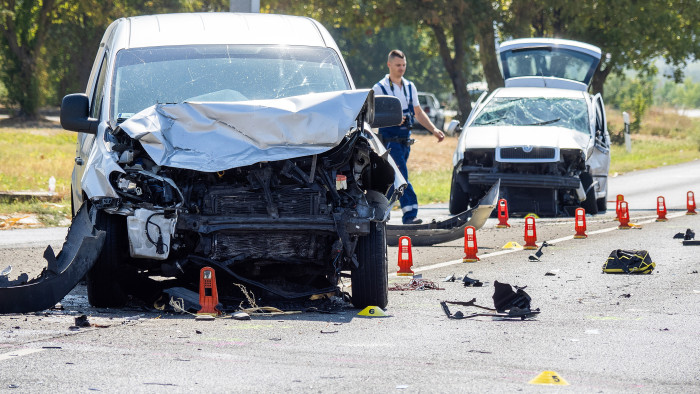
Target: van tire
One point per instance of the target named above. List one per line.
(104, 288)
(370, 283)
(589, 204)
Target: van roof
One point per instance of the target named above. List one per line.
(218, 28)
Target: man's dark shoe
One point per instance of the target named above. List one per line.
(413, 221)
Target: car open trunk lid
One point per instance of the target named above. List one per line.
(548, 62)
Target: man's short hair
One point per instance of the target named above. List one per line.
(396, 53)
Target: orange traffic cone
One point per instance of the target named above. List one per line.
(691, 204)
(405, 257)
(208, 295)
(502, 214)
(580, 224)
(620, 198)
(470, 247)
(661, 209)
(624, 216)
(530, 233)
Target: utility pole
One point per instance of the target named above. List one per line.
(245, 6)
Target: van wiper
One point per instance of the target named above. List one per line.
(543, 123)
(490, 121)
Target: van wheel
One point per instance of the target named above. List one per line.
(590, 204)
(103, 285)
(459, 199)
(370, 284)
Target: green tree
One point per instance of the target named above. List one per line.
(25, 27)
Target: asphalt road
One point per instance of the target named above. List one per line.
(598, 332)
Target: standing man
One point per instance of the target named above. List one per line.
(398, 138)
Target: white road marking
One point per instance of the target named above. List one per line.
(18, 353)
(554, 241)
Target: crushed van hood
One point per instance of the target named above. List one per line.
(216, 136)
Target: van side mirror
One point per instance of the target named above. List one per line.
(387, 111)
(75, 110)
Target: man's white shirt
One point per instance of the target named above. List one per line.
(398, 91)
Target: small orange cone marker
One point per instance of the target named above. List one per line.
(691, 204)
(624, 216)
(530, 233)
(580, 224)
(405, 257)
(502, 214)
(208, 296)
(661, 209)
(470, 247)
(620, 198)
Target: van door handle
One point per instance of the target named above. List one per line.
(79, 161)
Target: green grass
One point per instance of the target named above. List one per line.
(28, 158)
(431, 186)
(652, 152)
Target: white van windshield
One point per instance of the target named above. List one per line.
(220, 73)
(535, 111)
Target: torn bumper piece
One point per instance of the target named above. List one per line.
(508, 304)
(449, 229)
(80, 251)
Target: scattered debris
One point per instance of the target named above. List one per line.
(450, 278)
(688, 238)
(416, 284)
(328, 332)
(240, 315)
(471, 282)
(6, 271)
(550, 273)
(82, 321)
(629, 262)
(627, 295)
(508, 304)
(539, 253)
(204, 317)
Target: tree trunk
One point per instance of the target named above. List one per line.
(599, 77)
(455, 66)
(487, 55)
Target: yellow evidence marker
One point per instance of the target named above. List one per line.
(372, 311)
(549, 377)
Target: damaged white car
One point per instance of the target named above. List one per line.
(235, 141)
(542, 135)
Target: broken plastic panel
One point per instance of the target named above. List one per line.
(78, 254)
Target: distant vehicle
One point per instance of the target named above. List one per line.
(431, 107)
(543, 135)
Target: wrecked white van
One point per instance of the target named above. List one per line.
(235, 141)
(542, 135)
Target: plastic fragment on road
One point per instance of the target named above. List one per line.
(405, 257)
(688, 238)
(372, 311)
(549, 378)
(508, 304)
(416, 284)
(469, 282)
(629, 262)
(539, 253)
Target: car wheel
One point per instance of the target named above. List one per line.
(370, 284)
(603, 204)
(103, 286)
(459, 199)
(590, 204)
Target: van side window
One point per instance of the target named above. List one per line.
(99, 89)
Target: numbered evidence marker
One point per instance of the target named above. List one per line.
(549, 377)
(372, 311)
